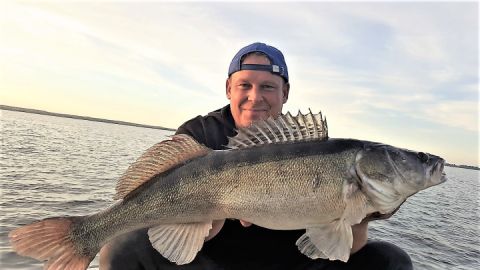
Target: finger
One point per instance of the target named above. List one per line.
(245, 223)
(216, 227)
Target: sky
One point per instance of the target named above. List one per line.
(401, 73)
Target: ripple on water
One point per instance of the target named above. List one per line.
(52, 166)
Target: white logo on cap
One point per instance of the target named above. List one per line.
(275, 68)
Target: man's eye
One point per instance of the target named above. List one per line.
(268, 87)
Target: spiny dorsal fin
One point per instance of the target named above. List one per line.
(157, 159)
(284, 128)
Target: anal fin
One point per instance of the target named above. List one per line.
(179, 243)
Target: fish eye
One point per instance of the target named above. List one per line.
(423, 157)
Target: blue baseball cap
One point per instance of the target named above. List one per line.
(277, 61)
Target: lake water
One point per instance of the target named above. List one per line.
(51, 166)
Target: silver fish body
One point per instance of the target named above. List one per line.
(279, 188)
(323, 186)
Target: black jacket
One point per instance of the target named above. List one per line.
(212, 130)
(236, 246)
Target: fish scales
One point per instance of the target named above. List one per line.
(322, 185)
(276, 184)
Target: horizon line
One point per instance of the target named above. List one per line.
(80, 117)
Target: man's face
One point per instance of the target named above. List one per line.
(255, 95)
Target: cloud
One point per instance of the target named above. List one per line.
(414, 63)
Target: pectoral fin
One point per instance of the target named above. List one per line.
(179, 243)
(332, 241)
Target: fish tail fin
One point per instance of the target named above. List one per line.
(50, 240)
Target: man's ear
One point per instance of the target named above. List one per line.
(227, 88)
(286, 91)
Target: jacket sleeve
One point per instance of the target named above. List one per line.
(211, 130)
(195, 129)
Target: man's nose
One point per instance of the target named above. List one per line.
(255, 94)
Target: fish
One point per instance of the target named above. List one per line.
(281, 173)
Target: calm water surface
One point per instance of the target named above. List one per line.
(51, 166)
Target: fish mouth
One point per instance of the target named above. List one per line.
(437, 174)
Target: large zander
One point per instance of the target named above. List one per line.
(281, 174)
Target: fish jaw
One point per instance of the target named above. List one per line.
(437, 175)
(390, 175)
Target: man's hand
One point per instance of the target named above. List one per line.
(360, 230)
(360, 236)
(245, 223)
(217, 226)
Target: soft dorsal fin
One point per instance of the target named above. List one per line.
(157, 159)
(284, 128)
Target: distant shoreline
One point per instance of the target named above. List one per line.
(18, 109)
(463, 166)
(88, 118)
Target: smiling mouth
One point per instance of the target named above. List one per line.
(255, 109)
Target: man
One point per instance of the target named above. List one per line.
(257, 87)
